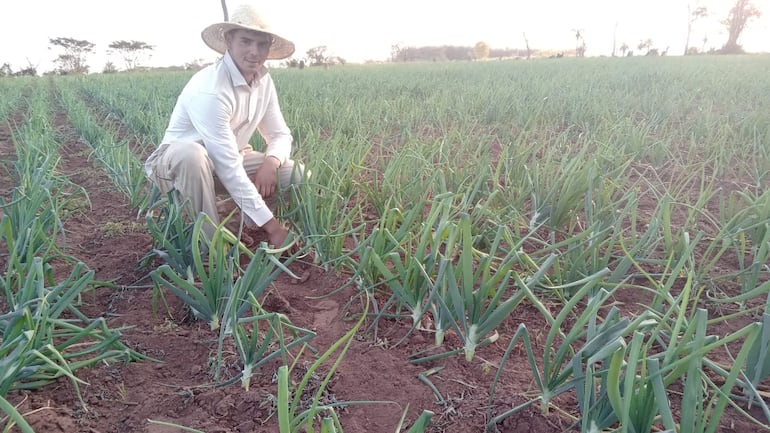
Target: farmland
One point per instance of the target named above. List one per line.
(550, 245)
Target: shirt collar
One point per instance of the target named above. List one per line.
(235, 74)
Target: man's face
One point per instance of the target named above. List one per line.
(249, 50)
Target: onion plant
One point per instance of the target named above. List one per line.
(322, 217)
(144, 109)
(12, 91)
(216, 263)
(121, 163)
(746, 233)
(296, 415)
(30, 221)
(590, 371)
(254, 330)
(43, 336)
(216, 288)
(556, 199)
(13, 418)
(566, 350)
(37, 203)
(604, 243)
(471, 288)
(256, 334)
(392, 256)
(674, 347)
(215, 273)
(758, 362)
(40, 343)
(640, 396)
(169, 226)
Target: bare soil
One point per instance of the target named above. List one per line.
(125, 397)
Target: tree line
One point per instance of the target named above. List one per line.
(72, 59)
(75, 51)
(737, 20)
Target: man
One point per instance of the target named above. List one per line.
(206, 146)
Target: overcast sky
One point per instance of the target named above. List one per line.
(359, 30)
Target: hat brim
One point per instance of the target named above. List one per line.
(214, 37)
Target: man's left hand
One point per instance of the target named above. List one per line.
(266, 177)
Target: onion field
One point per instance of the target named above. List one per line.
(548, 245)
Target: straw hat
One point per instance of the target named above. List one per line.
(246, 17)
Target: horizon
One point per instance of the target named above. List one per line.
(358, 32)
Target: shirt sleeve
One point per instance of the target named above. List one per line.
(273, 128)
(210, 115)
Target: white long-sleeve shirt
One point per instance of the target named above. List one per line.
(219, 109)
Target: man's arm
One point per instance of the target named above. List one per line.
(273, 127)
(276, 233)
(210, 115)
(266, 175)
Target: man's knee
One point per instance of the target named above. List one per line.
(191, 155)
(292, 173)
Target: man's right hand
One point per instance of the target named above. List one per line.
(276, 233)
(266, 179)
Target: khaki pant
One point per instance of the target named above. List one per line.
(187, 168)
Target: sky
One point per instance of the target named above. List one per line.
(360, 30)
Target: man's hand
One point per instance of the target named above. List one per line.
(265, 179)
(276, 233)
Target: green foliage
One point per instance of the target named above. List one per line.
(43, 335)
(40, 344)
(115, 155)
(481, 50)
(565, 180)
(171, 231)
(73, 61)
(130, 51)
(294, 415)
(214, 277)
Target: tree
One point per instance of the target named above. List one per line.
(645, 44)
(397, 53)
(73, 60)
(5, 70)
(737, 19)
(130, 51)
(194, 65)
(109, 68)
(317, 55)
(581, 52)
(694, 15)
(623, 48)
(29, 70)
(526, 42)
(481, 50)
(580, 48)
